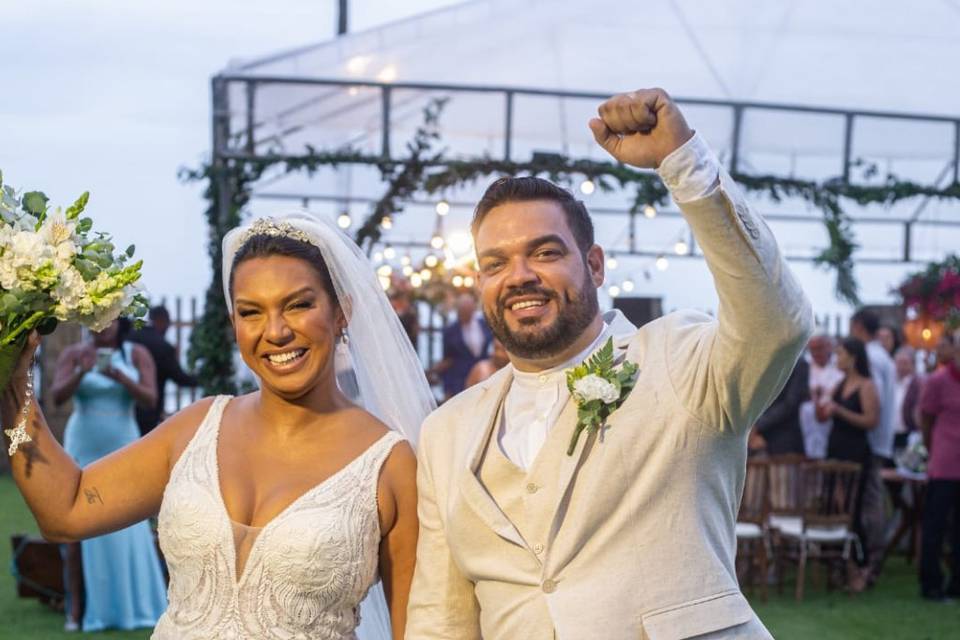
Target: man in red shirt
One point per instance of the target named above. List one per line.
(940, 411)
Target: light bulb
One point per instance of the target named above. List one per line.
(468, 281)
(587, 187)
(681, 248)
(612, 263)
(405, 260)
(649, 211)
(385, 270)
(457, 281)
(344, 221)
(627, 286)
(443, 208)
(460, 242)
(436, 242)
(389, 253)
(416, 281)
(386, 222)
(614, 291)
(426, 274)
(408, 271)
(377, 258)
(431, 261)
(662, 263)
(385, 282)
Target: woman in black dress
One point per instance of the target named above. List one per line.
(855, 410)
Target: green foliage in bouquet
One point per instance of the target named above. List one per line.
(55, 268)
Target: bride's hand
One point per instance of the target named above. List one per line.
(13, 393)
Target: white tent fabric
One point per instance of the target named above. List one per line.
(876, 55)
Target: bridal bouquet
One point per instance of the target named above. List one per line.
(54, 268)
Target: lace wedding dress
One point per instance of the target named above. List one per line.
(300, 577)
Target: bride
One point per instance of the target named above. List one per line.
(278, 510)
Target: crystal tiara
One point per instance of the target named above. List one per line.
(271, 227)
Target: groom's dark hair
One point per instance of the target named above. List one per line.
(530, 188)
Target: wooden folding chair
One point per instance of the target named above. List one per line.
(753, 534)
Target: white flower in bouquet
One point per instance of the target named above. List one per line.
(53, 267)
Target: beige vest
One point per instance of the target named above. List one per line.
(528, 499)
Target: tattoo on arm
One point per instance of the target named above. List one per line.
(93, 495)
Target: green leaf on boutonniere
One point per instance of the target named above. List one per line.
(34, 203)
(598, 390)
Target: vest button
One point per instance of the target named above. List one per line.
(538, 548)
(532, 487)
(549, 586)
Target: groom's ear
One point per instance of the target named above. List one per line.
(595, 265)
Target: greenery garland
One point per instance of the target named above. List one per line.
(426, 169)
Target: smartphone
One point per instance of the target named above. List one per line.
(103, 359)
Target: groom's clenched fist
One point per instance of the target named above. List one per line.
(640, 128)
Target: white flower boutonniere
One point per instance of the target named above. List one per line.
(598, 389)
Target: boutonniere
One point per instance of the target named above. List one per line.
(598, 389)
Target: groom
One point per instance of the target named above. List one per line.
(631, 536)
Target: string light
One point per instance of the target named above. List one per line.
(386, 222)
(426, 274)
(627, 286)
(612, 263)
(460, 242)
(387, 74)
(662, 263)
(344, 221)
(443, 208)
(457, 281)
(405, 260)
(614, 291)
(416, 281)
(468, 281)
(389, 253)
(431, 261)
(587, 187)
(385, 282)
(649, 211)
(358, 64)
(377, 258)
(385, 270)
(449, 263)
(408, 271)
(436, 241)
(681, 248)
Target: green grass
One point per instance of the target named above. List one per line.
(891, 610)
(27, 619)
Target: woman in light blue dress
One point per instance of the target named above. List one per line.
(122, 575)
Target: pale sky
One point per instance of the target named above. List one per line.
(113, 96)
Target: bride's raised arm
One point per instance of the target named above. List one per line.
(70, 503)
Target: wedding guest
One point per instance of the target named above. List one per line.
(464, 343)
(402, 302)
(864, 325)
(121, 576)
(779, 425)
(907, 396)
(940, 419)
(167, 362)
(889, 338)
(485, 368)
(855, 411)
(945, 351)
(824, 377)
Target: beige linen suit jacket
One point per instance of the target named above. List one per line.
(637, 540)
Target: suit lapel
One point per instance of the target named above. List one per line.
(564, 429)
(482, 428)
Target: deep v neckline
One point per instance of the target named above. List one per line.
(238, 580)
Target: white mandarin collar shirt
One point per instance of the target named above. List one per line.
(535, 400)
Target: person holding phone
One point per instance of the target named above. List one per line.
(121, 580)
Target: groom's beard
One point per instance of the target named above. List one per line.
(532, 342)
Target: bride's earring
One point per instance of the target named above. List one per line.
(344, 338)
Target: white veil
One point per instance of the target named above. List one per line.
(378, 368)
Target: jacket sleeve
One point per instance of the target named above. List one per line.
(726, 370)
(442, 601)
(167, 363)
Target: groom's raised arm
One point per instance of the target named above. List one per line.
(727, 370)
(442, 601)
